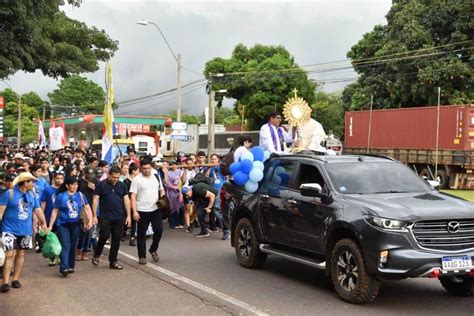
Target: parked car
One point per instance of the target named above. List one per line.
(362, 219)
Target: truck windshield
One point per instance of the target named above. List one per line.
(374, 178)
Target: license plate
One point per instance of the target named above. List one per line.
(456, 263)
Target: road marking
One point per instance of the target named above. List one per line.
(200, 286)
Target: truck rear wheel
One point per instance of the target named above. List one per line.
(247, 246)
(442, 177)
(349, 273)
(425, 173)
(459, 286)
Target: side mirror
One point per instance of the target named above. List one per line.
(311, 189)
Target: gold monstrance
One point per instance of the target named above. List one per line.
(297, 112)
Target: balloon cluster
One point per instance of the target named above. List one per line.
(248, 170)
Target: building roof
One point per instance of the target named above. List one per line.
(118, 119)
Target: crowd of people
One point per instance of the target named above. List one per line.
(88, 203)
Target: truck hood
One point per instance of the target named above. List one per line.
(413, 206)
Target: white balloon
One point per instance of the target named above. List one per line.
(251, 186)
(246, 155)
(256, 175)
(258, 165)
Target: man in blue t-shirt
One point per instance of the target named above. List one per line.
(16, 211)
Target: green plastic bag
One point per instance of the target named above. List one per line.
(51, 247)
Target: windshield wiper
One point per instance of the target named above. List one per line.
(391, 191)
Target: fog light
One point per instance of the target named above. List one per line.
(383, 256)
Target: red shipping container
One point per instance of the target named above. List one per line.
(412, 128)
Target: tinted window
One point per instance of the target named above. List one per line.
(374, 177)
(280, 173)
(309, 174)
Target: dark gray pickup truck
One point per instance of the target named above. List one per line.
(362, 219)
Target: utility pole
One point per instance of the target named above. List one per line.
(210, 123)
(437, 134)
(178, 90)
(19, 122)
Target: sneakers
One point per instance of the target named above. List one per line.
(155, 256)
(95, 261)
(202, 234)
(78, 255)
(54, 261)
(16, 284)
(133, 242)
(190, 229)
(64, 273)
(226, 236)
(215, 229)
(142, 261)
(84, 256)
(71, 270)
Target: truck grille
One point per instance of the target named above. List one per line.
(437, 235)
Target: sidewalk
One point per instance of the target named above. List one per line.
(97, 291)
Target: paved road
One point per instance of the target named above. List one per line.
(202, 277)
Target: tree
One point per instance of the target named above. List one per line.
(426, 44)
(261, 77)
(78, 94)
(187, 118)
(38, 35)
(328, 111)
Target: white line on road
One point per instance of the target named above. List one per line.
(201, 287)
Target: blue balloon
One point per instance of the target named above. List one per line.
(246, 165)
(251, 186)
(234, 167)
(256, 175)
(246, 155)
(258, 153)
(240, 178)
(258, 165)
(266, 155)
(285, 178)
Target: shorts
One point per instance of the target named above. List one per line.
(11, 242)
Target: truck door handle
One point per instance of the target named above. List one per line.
(291, 201)
(264, 196)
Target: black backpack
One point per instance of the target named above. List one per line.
(201, 177)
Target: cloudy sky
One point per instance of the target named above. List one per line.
(314, 32)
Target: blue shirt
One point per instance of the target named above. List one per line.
(69, 207)
(40, 186)
(111, 199)
(49, 196)
(18, 215)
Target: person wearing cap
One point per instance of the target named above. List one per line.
(18, 158)
(46, 174)
(66, 215)
(16, 210)
(203, 196)
(47, 204)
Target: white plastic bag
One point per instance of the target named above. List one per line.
(2, 255)
(149, 231)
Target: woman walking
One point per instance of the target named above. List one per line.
(66, 215)
(173, 192)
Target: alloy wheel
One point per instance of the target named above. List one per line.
(244, 242)
(347, 271)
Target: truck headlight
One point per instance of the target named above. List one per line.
(386, 223)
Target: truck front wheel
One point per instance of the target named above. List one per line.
(349, 273)
(247, 245)
(459, 286)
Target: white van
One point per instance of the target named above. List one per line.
(144, 144)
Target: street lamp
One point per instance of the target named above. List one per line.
(18, 141)
(177, 58)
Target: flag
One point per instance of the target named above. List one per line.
(41, 136)
(63, 127)
(53, 123)
(108, 137)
